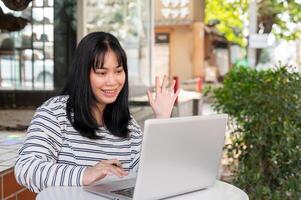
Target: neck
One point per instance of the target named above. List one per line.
(97, 112)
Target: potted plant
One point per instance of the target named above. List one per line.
(265, 112)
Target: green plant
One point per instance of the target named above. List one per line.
(265, 147)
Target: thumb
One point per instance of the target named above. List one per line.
(150, 97)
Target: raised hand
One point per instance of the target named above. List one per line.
(165, 98)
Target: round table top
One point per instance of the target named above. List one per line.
(219, 191)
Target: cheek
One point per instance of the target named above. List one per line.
(122, 79)
(92, 81)
(95, 82)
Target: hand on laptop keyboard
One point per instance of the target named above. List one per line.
(102, 169)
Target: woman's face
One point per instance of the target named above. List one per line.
(107, 82)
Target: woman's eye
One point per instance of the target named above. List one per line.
(101, 73)
(119, 71)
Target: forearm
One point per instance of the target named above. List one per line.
(37, 174)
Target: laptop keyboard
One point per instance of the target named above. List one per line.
(128, 192)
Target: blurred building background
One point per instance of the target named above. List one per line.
(160, 37)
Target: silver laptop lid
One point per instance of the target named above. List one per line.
(179, 155)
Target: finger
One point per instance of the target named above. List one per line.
(121, 171)
(116, 171)
(164, 84)
(158, 88)
(167, 91)
(110, 171)
(150, 97)
(173, 86)
(107, 172)
(113, 162)
(176, 95)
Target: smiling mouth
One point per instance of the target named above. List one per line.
(109, 91)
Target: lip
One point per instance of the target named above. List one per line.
(109, 92)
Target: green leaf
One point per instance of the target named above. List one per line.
(265, 147)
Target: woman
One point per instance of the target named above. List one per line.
(87, 133)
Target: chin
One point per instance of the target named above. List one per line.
(108, 100)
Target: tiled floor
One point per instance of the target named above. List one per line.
(10, 142)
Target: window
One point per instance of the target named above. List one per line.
(26, 56)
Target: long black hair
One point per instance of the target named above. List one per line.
(90, 53)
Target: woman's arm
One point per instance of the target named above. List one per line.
(36, 167)
(136, 142)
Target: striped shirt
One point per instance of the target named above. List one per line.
(55, 154)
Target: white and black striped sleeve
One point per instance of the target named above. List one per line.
(36, 167)
(136, 141)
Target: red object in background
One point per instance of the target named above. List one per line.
(176, 78)
(199, 84)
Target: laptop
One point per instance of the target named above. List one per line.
(178, 155)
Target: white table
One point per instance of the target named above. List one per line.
(220, 191)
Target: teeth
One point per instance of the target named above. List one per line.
(109, 91)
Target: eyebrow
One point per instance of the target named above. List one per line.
(118, 66)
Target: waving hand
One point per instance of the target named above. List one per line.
(164, 99)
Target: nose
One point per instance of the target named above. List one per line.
(111, 79)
